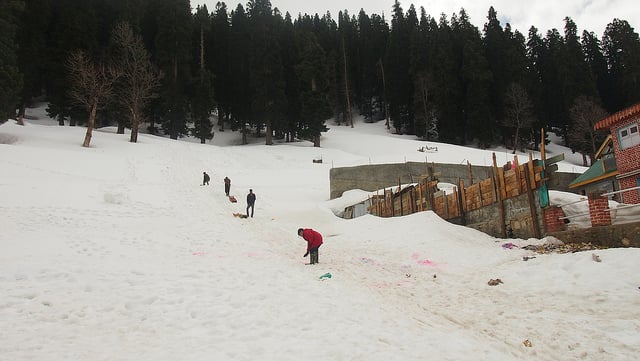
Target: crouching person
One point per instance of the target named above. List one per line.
(314, 241)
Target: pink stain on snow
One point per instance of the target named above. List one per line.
(426, 262)
(199, 253)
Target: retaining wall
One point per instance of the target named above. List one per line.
(378, 176)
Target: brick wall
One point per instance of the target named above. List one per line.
(599, 210)
(630, 197)
(553, 219)
(627, 159)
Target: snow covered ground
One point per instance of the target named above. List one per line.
(116, 252)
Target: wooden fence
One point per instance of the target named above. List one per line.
(505, 183)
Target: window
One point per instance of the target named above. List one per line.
(629, 136)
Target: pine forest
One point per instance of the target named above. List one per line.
(166, 68)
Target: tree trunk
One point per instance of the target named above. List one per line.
(316, 141)
(134, 125)
(244, 134)
(269, 135)
(384, 95)
(515, 140)
(425, 99)
(91, 124)
(346, 85)
(21, 112)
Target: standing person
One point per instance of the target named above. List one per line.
(227, 185)
(205, 179)
(314, 241)
(251, 201)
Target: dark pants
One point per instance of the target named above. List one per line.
(227, 187)
(250, 206)
(313, 253)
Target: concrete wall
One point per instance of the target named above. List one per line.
(377, 176)
(517, 218)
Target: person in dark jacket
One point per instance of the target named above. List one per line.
(314, 241)
(251, 201)
(227, 185)
(205, 178)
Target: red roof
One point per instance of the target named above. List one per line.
(614, 118)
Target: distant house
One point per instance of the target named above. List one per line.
(624, 127)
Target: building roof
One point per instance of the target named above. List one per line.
(620, 116)
(599, 170)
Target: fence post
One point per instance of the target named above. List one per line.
(599, 209)
(503, 226)
(532, 206)
(462, 201)
(446, 205)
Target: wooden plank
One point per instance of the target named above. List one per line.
(532, 174)
(463, 195)
(554, 159)
(496, 173)
(532, 208)
(500, 183)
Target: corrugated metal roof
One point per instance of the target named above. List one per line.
(618, 117)
(600, 170)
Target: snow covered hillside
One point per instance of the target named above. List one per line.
(117, 252)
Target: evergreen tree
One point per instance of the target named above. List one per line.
(218, 59)
(496, 43)
(173, 45)
(475, 78)
(621, 47)
(399, 84)
(553, 81)
(239, 65)
(10, 76)
(372, 38)
(597, 64)
(314, 85)
(292, 87)
(32, 37)
(202, 88)
(422, 61)
(268, 98)
(72, 27)
(536, 56)
(448, 109)
(346, 65)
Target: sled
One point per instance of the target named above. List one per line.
(233, 199)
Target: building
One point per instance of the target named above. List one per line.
(601, 176)
(624, 127)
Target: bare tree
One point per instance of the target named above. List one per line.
(581, 136)
(140, 77)
(91, 83)
(518, 111)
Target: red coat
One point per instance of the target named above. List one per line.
(313, 238)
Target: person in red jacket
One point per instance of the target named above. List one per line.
(314, 241)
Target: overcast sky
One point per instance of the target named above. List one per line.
(591, 15)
